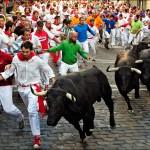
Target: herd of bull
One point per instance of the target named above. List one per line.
(73, 96)
(129, 67)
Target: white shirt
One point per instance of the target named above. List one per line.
(4, 40)
(35, 41)
(49, 17)
(29, 72)
(90, 36)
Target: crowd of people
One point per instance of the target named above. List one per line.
(36, 31)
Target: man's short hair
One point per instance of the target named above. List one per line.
(2, 17)
(8, 24)
(27, 45)
(40, 23)
(25, 30)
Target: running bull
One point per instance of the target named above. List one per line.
(126, 75)
(144, 65)
(73, 96)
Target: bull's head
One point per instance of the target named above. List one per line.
(144, 66)
(56, 99)
(124, 76)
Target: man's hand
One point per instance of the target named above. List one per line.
(90, 58)
(52, 80)
(1, 77)
(7, 66)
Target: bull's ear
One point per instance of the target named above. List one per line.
(71, 97)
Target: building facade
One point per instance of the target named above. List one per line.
(145, 4)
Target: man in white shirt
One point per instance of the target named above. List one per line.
(29, 70)
(91, 38)
(4, 41)
(50, 16)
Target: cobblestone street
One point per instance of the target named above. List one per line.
(132, 129)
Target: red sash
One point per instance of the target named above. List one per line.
(42, 108)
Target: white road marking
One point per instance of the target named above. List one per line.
(114, 87)
(105, 61)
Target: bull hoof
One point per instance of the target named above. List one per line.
(131, 111)
(113, 127)
(82, 137)
(83, 140)
(89, 133)
(112, 123)
(137, 97)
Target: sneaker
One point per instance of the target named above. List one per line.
(21, 124)
(37, 142)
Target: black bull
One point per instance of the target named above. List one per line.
(84, 89)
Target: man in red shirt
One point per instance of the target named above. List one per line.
(43, 38)
(6, 92)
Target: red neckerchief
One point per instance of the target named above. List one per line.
(34, 19)
(91, 25)
(28, 14)
(21, 57)
(8, 33)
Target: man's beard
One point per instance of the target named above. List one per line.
(73, 41)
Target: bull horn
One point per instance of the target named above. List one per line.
(147, 42)
(112, 69)
(45, 104)
(139, 61)
(42, 93)
(71, 97)
(136, 70)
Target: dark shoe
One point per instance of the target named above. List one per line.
(21, 124)
(1, 109)
(106, 46)
(37, 142)
(100, 41)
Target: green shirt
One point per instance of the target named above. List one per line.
(136, 26)
(69, 51)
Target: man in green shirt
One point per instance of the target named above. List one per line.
(70, 48)
(135, 34)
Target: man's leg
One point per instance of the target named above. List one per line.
(113, 37)
(8, 106)
(92, 47)
(74, 68)
(31, 102)
(63, 69)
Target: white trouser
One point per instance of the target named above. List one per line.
(84, 45)
(65, 67)
(135, 39)
(106, 35)
(118, 36)
(113, 37)
(124, 37)
(7, 102)
(121, 36)
(92, 45)
(44, 56)
(31, 102)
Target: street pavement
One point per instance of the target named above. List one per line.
(132, 130)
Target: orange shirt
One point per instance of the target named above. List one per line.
(98, 22)
(88, 19)
(74, 21)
